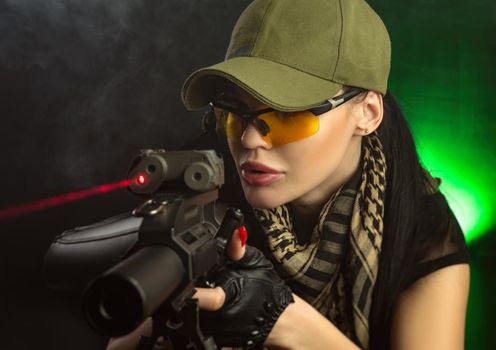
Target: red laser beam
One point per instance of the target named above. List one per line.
(61, 199)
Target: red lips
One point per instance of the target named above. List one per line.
(258, 174)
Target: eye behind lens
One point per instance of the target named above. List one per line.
(261, 126)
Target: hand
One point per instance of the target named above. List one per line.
(248, 299)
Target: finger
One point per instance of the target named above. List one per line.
(210, 299)
(236, 247)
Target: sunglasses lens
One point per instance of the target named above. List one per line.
(234, 126)
(287, 127)
(276, 128)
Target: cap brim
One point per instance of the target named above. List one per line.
(277, 85)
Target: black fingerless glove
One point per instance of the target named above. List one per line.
(255, 298)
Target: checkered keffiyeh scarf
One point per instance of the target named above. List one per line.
(337, 269)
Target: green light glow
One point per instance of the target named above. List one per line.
(458, 153)
(466, 207)
(467, 198)
(446, 100)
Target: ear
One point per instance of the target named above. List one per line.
(370, 113)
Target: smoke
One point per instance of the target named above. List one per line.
(49, 31)
(86, 84)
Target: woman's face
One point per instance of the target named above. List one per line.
(304, 172)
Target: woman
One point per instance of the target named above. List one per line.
(366, 251)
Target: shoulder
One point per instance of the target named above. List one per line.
(431, 312)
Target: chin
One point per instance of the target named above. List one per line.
(262, 199)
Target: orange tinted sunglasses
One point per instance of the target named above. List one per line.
(275, 127)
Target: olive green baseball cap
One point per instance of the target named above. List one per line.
(295, 54)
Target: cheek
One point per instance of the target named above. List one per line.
(235, 150)
(324, 150)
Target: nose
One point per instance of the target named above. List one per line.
(252, 138)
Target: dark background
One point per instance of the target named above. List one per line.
(86, 84)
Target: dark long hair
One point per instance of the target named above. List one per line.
(406, 235)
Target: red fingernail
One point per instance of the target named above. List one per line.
(243, 235)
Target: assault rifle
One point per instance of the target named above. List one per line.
(182, 237)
